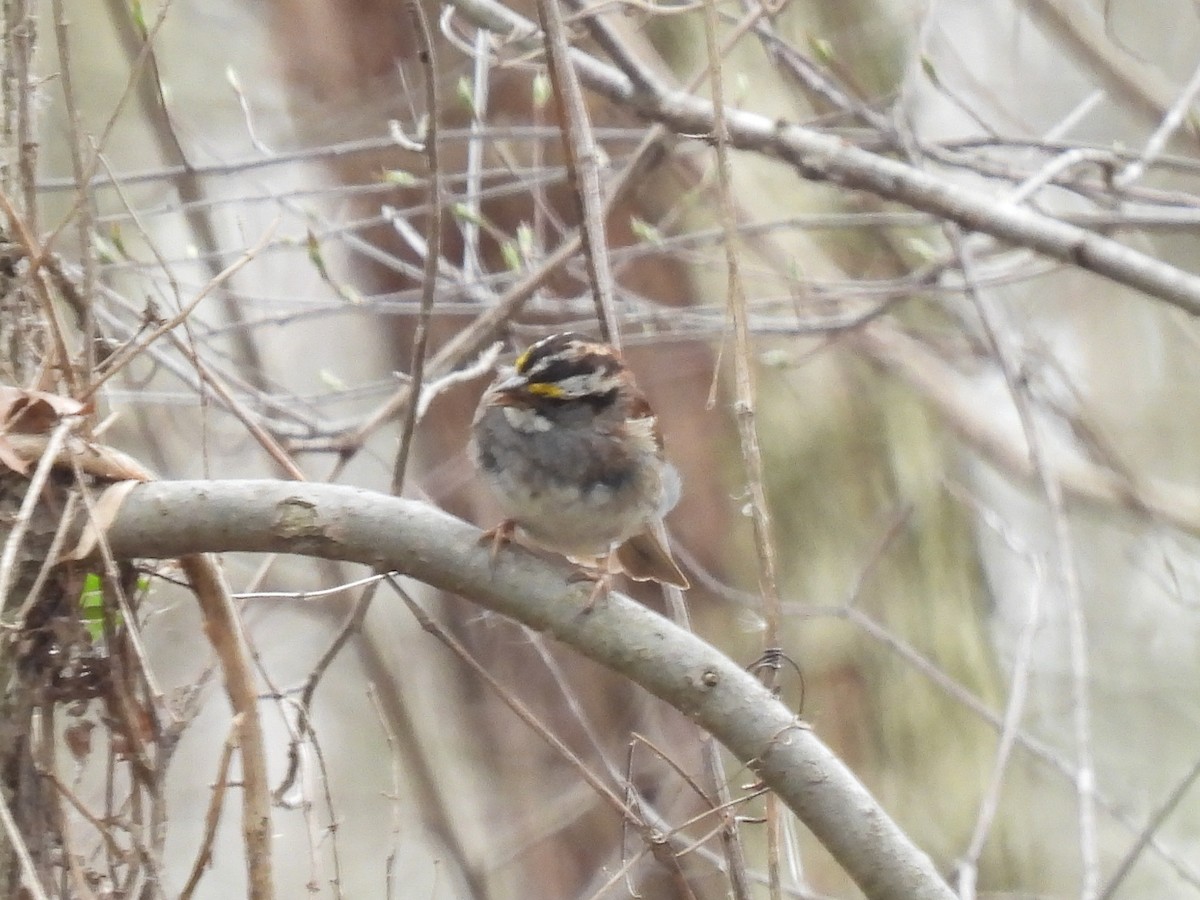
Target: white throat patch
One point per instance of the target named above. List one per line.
(525, 419)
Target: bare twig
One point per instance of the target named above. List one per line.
(224, 632)
(472, 339)
(264, 438)
(135, 72)
(433, 242)
(1081, 30)
(33, 494)
(212, 284)
(33, 252)
(999, 335)
(351, 627)
(744, 408)
(140, 47)
(87, 209)
(28, 869)
(389, 735)
(583, 167)
(480, 88)
(212, 816)
(1158, 140)
(514, 703)
(22, 35)
(823, 157)
(949, 391)
(1014, 709)
(1145, 838)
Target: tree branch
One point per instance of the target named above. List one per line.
(823, 157)
(173, 519)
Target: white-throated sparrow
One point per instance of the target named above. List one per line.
(572, 450)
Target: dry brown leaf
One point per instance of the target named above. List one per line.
(78, 738)
(10, 458)
(108, 504)
(35, 412)
(107, 462)
(97, 460)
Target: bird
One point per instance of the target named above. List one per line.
(572, 451)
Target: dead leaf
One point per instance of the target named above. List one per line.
(97, 460)
(11, 458)
(78, 738)
(35, 412)
(107, 462)
(107, 506)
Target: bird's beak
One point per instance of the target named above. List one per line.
(509, 382)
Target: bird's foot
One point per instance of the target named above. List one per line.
(499, 537)
(601, 576)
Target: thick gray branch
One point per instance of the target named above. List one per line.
(171, 519)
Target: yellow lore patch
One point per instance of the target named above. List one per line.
(539, 389)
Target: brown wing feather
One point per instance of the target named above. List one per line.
(644, 559)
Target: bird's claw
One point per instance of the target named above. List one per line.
(498, 537)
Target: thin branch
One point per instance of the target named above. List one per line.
(480, 85)
(476, 336)
(1081, 30)
(1166, 128)
(956, 400)
(212, 816)
(139, 45)
(1000, 337)
(821, 157)
(33, 494)
(1014, 710)
(85, 221)
(389, 734)
(351, 627)
(744, 409)
(135, 71)
(224, 631)
(519, 708)
(583, 167)
(433, 242)
(28, 869)
(23, 38)
(180, 317)
(34, 251)
(238, 409)
(1145, 838)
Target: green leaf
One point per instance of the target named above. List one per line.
(512, 256)
(464, 213)
(91, 606)
(399, 177)
(313, 246)
(930, 72)
(105, 251)
(117, 241)
(330, 380)
(922, 249)
(822, 48)
(542, 90)
(139, 19)
(525, 240)
(466, 93)
(645, 232)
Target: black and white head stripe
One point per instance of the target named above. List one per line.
(569, 366)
